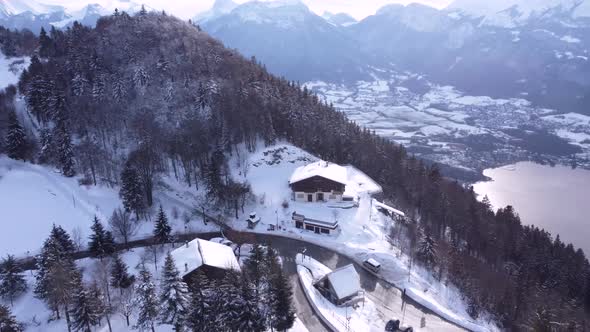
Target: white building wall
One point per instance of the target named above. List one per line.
(328, 197)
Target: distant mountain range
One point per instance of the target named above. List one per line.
(32, 15)
(536, 49)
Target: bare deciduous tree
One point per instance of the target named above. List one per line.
(122, 226)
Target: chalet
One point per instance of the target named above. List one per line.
(340, 286)
(319, 182)
(211, 258)
(314, 225)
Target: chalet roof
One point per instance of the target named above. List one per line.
(345, 281)
(200, 252)
(323, 169)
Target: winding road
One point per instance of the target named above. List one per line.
(391, 303)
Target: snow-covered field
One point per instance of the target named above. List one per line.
(10, 69)
(34, 197)
(362, 232)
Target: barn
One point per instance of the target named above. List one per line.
(212, 258)
(319, 182)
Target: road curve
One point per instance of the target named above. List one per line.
(389, 299)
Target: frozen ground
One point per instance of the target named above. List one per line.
(362, 317)
(34, 197)
(10, 69)
(362, 233)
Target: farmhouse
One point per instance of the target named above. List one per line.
(314, 225)
(319, 182)
(211, 258)
(340, 286)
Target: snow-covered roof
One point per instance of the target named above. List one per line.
(187, 258)
(345, 281)
(373, 262)
(218, 255)
(388, 208)
(320, 168)
(200, 252)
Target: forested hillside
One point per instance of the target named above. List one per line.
(148, 94)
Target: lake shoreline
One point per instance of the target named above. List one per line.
(551, 197)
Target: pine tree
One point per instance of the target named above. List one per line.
(255, 267)
(12, 281)
(57, 247)
(146, 301)
(426, 251)
(101, 242)
(55, 270)
(250, 317)
(45, 44)
(8, 322)
(202, 315)
(231, 303)
(281, 310)
(16, 139)
(541, 321)
(162, 229)
(63, 146)
(120, 277)
(85, 310)
(131, 190)
(174, 296)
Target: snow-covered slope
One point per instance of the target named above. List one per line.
(220, 7)
(339, 19)
(34, 197)
(512, 13)
(32, 15)
(10, 69)
(15, 7)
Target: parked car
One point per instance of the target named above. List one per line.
(372, 265)
(394, 326)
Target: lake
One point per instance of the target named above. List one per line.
(556, 199)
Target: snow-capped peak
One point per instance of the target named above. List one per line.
(15, 7)
(220, 8)
(511, 13)
(339, 19)
(283, 13)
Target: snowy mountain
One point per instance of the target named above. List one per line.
(339, 19)
(15, 7)
(220, 7)
(514, 13)
(32, 15)
(289, 39)
(538, 49)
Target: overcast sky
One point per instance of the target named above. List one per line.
(188, 8)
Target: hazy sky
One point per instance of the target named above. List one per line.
(189, 8)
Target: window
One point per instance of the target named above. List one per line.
(309, 227)
(347, 199)
(325, 231)
(300, 195)
(299, 224)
